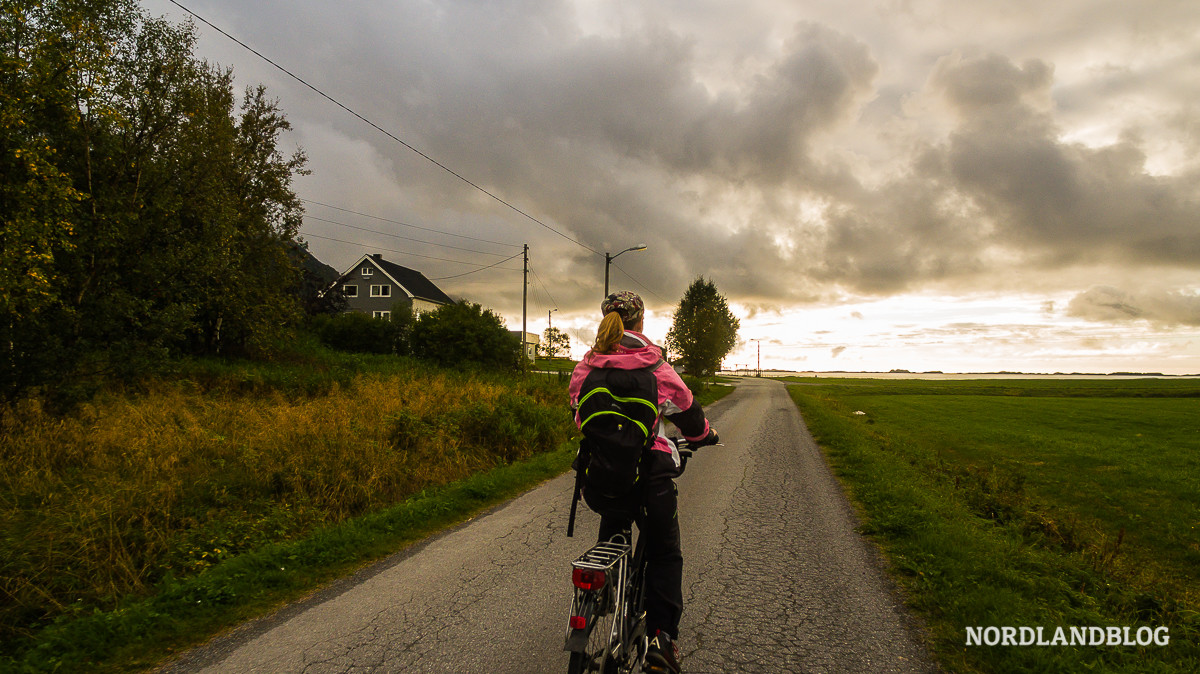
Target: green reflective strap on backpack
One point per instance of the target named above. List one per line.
(601, 389)
(620, 399)
(645, 431)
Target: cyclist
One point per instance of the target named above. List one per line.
(620, 344)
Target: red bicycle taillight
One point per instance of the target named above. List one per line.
(588, 579)
(578, 622)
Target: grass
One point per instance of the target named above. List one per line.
(554, 364)
(141, 632)
(146, 510)
(1028, 503)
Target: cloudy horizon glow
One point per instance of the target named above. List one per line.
(918, 184)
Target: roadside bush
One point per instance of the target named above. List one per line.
(455, 335)
(360, 333)
(513, 426)
(697, 385)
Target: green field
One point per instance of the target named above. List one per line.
(1039, 503)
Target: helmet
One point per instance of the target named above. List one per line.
(627, 304)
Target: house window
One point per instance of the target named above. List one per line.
(367, 271)
(382, 314)
(381, 291)
(350, 290)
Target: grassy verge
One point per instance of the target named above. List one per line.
(141, 632)
(554, 364)
(120, 513)
(708, 390)
(711, 393)
(1040, 504)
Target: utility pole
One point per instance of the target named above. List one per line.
(524, 305)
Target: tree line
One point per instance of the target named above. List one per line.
(147, 207)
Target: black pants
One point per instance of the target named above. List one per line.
(658, 523)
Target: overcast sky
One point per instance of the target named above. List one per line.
(959, 185)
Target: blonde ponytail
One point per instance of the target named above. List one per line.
(609, 334)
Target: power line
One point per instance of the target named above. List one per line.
(544, 288)
(539, 296)
(397, 236)
(405, 224)
(381, 129)
(640, 284)
(401, 252)
(443, 278)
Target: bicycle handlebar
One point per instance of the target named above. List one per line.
(688, 447)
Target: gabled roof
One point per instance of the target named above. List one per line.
(411, 280)
(414, 282)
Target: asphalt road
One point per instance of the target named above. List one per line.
(776, 579)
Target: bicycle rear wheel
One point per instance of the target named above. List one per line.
(596, 656)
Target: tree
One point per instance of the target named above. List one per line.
(704, 330)
(317, 292)
(145, 210)
(554, 342)
(460, 334)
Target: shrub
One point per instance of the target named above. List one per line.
(462, 334)
(360, 333)
(697, 385)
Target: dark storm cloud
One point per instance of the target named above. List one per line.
(1003, 182)
(625, 136)
(596, 134)
(1058, 202)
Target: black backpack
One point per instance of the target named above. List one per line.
(618, 412)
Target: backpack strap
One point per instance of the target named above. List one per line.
(575, 503)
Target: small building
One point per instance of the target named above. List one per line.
(373, 286)
(532, 340)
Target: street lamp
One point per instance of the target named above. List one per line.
(609, 258)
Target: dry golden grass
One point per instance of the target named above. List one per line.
(130, 490)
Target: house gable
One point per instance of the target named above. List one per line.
(372, 285)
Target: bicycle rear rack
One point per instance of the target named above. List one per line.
(603, 556)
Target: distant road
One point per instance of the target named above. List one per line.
(775, 578)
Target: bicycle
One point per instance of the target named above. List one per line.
(606, 632)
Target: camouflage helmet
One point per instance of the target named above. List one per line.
(627, 304)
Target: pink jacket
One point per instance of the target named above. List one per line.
(674, 398)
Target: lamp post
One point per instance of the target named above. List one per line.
(758, 342)
(609, 258)
(549, 335)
